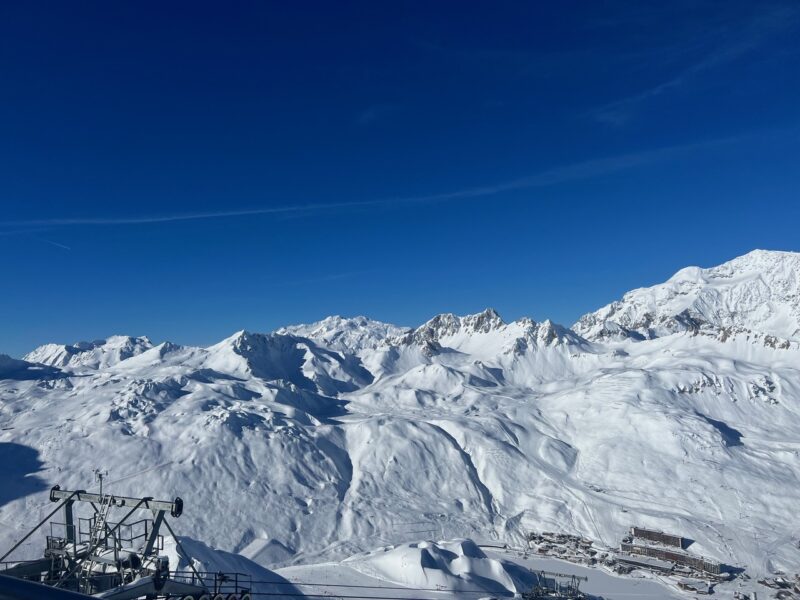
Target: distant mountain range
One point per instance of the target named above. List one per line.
(676, 407)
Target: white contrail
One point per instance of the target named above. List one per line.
(573, 172)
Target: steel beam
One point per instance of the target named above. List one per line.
(69, 521)
(151, 541)
(175, 507)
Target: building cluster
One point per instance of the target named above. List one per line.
(651, 550)
(567, 547)
(666, 553)
(675, 557)
(786, 588)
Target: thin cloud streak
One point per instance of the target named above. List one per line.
(149, 219)
(579, 171)
(52, 243)
(617, 112)
(565, 174)
(19, 231)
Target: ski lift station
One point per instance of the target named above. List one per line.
(108, 546)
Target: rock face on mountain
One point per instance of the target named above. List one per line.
(345, 335)
(449, 325)
(675, 408)
(486, 330)
(758, 292)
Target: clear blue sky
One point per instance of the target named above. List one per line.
(184, 170)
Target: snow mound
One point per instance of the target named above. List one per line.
(458, 565)
(206, 559)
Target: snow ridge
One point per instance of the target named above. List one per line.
(758, 292)
(345, 335)
(90, 355)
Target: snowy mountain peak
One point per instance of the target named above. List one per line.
(286, 358)
(484, 321)
(245, 354)
(91, 355)
(486, 335)
(758, 292)
(548, 333)
(448, 324)
(345, 334)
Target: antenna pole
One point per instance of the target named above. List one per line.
(99, 475)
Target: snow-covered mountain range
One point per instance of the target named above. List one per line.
(758, 293)
(676, 407)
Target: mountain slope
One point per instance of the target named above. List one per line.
(345, 435)
(90, 355)
(757, 292)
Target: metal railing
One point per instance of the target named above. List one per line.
(127, 533)
(216, 583)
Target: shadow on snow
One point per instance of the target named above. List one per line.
(19, 465)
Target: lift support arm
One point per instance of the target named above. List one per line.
(175, 507)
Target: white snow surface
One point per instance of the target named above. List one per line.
(345, 335)
(457, 565)
(319, 442)
(90, 355)
(461, 569)
(758, 292)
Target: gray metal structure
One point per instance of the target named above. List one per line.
(120, 560)
(556, 586)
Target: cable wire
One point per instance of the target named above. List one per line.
(351, 597)
(381, 587)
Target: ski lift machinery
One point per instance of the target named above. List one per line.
(121, 559)
(556, 586)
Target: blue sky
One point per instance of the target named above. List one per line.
(185, 170)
